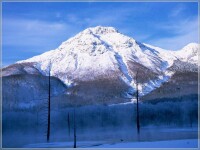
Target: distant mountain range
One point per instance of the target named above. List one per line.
(100, 65)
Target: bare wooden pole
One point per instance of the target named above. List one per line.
(74, 128)
(138, 118)
(137, 113)
(49, 107)
(68, 122)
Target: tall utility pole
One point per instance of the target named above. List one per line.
(49, 106)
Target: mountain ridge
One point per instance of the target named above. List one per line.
(103, 54)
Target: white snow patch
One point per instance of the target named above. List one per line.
(184, 143)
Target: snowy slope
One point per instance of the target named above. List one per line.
(103, 52)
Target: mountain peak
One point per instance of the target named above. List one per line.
(100, 30)
(191, 46)
(189, 53)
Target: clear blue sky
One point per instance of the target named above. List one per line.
(31, 28)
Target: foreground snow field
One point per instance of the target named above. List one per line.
(186, 143)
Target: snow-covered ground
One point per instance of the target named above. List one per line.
(186, 143)
(149, 138)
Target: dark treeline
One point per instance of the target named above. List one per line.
(177, 113)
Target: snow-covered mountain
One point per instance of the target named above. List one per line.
(102, 54)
